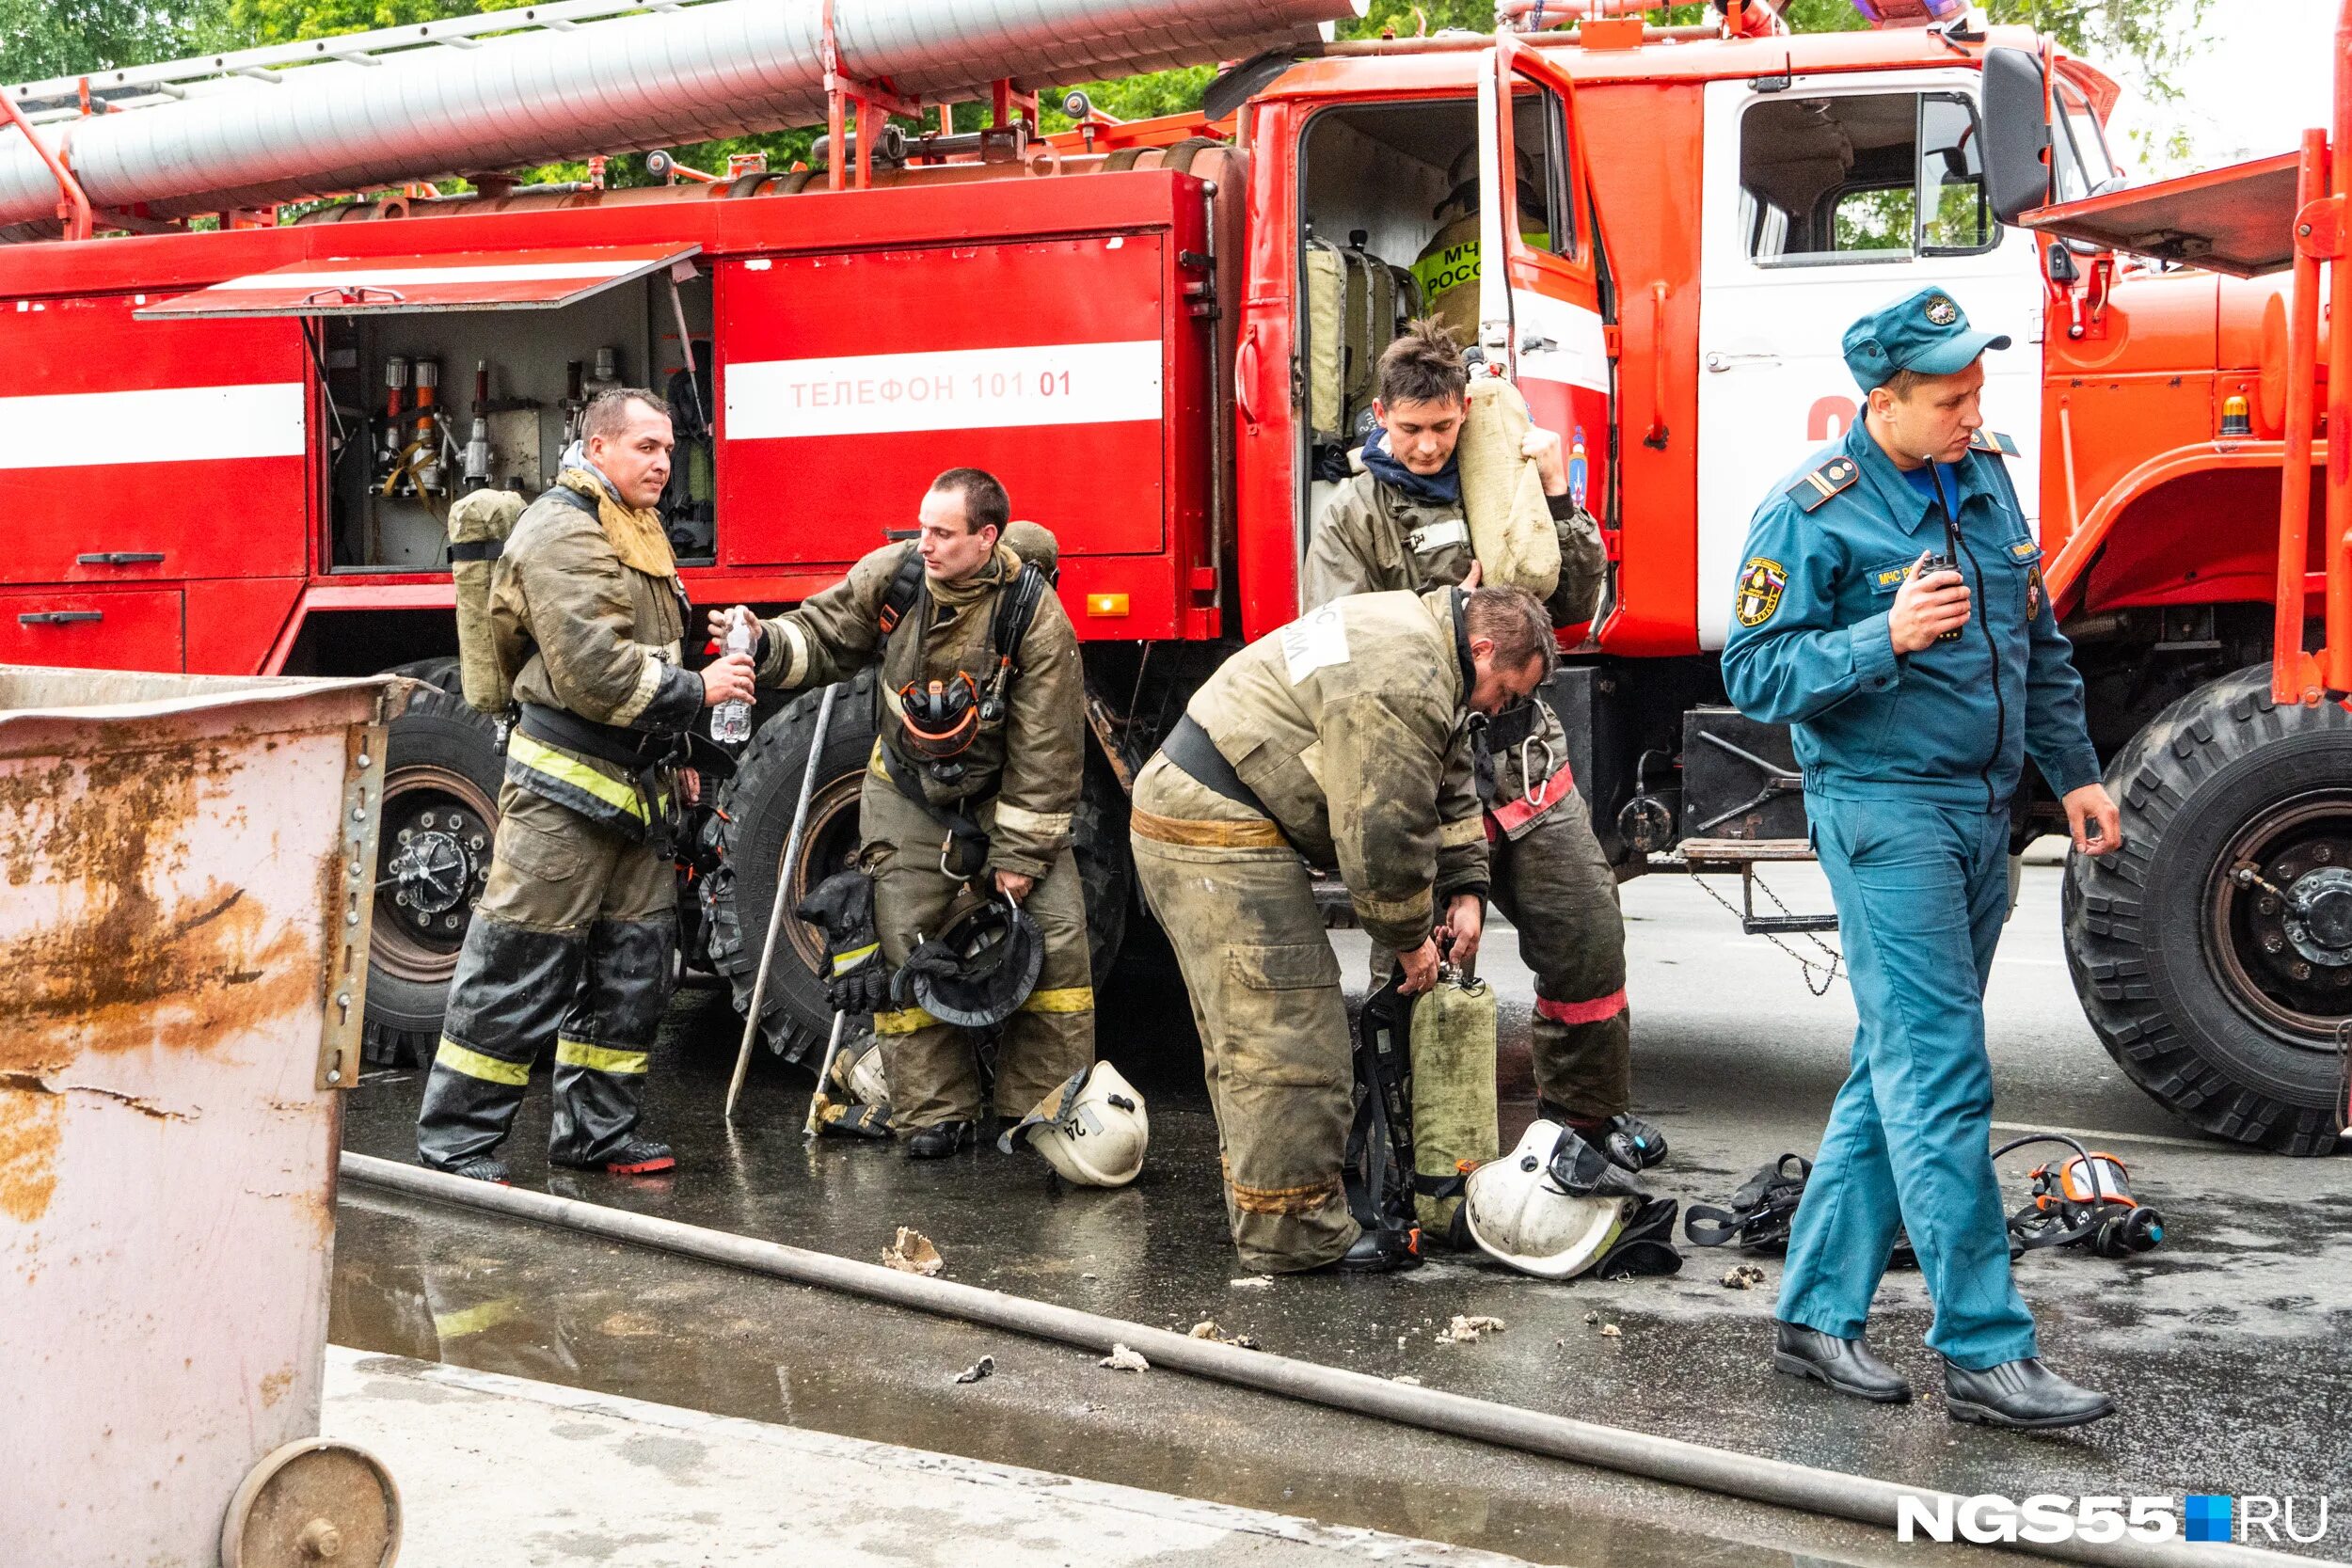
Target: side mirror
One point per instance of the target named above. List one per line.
(2017, 134)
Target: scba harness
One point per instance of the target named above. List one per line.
(939, 719)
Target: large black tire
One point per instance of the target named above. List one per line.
(758, 807)
(441, 774)
(2194, 981)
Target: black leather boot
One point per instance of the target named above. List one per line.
(480, 1168)
(637, 1157)
(1846, 1366)
(937, 1143)
(1379, 1252)
(2022, 1393)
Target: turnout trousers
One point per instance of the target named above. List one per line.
(574, 943)
(1557, 890)
(1921, 891)
(1239, 908)
(934, 1075)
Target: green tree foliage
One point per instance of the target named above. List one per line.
(40, 38)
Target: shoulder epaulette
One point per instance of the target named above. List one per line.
(1993, 441)
(1823, 482)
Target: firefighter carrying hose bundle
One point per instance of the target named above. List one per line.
(1400, 524)
(968, 801)
(576, 936)
(1337, 737)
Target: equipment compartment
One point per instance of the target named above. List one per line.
(390, 376)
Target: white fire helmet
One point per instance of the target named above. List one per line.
(858, 1069)
(1520, 1215)
(1093, 1128)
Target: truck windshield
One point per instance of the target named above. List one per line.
(2079, 142)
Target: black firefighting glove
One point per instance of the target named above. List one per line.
(843, 908)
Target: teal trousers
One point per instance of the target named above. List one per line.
(1921, 891)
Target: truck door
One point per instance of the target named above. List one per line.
(1823, 199)
(1541, 312)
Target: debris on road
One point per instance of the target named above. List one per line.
(1407, 1378)
(1611, 1331)
(1592, 1317)
(910, 1252)
(1251, 1282)
(1743, 1277)
(978, 1371)
(1121, 1359)
(1207, 1329)
(1466, 1328)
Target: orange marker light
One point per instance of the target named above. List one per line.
(1107, 604)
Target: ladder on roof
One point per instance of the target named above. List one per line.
(142, 87)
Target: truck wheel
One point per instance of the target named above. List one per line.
(759, 819)
(442, 775)
(2214, 950)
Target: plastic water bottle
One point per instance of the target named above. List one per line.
(731, 721)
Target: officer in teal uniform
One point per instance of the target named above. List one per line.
(1891, 608)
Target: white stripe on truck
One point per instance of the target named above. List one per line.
(980, 388)
(161, 425)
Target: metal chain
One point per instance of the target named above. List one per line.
(1829, 971)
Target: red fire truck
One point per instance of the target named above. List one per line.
(231, 450)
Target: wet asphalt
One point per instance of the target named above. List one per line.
(2223, 1345)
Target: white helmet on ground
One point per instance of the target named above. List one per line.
(1091, 1129)
(1522, 1212)
(857, 1067)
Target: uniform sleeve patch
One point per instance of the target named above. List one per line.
(1315, 641)
(1761, 584)
(2024, 549)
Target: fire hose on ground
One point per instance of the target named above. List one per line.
(1801, 1487)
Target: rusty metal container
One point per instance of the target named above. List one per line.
(185, 870)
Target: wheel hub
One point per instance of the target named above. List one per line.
(2318, 918)
(432, 867)
(2283, 913)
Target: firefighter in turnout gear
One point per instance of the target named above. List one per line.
(1891, 608)
(1399, 525)
(574, 942)
(970, 790)
(1339, 738)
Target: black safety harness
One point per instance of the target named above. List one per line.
(964, 851)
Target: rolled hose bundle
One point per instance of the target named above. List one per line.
(1511, 530)
(478, 526)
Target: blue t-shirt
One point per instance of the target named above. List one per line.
(1937, 482)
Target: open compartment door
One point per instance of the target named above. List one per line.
(2238, 220)
(1541, 309)
(437, 280)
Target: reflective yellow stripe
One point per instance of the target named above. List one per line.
(1069, 999)
(905, 1022)
(1042, 824)
(565, 769)
(1415, 908)
(1469, 829)
(854, 957)
(600, 1058)
(473, 1064)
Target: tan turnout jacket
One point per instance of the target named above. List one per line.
(1348, 725)
(1030, 762)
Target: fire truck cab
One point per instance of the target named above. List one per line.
(234, 452)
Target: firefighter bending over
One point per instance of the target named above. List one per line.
(1399, 524)
(969, 795)
(576, 936)
(1337, 737)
